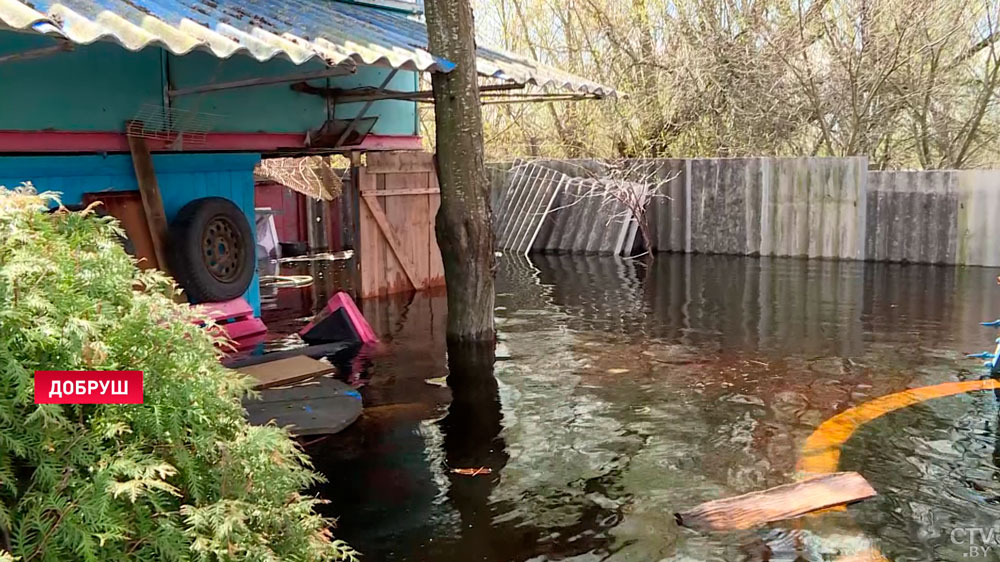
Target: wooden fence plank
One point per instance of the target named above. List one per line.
(372, 262)
(399, 162)
(408, 216)
(394, 274)
(435, 268)
(409, 191)
(390, 237)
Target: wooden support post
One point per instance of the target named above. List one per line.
(350, 207)
(149, 189)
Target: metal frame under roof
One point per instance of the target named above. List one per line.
(337, 33)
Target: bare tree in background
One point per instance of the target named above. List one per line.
(464, 230)
(635, 186)
(910, 84)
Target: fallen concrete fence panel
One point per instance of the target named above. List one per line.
(496, 175)
(538, 208)
(508, 183)
(526, 207)
(522, 204)
(586, 219)
(522, 184)
(559, 206)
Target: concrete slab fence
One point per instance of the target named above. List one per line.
(799, 207)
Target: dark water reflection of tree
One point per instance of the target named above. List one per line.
(472, 438)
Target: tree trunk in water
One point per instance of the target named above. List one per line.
(464, 230)
(472, 438)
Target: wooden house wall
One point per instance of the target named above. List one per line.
(99, 87)
(182, 178)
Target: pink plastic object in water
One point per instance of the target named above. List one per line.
(247, 332)
(236, 318)
(343, 301)
(226, 310)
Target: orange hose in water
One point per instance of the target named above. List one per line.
(821, 451)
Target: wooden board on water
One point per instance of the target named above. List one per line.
(286, 371)
(316, 407)
(775, 504)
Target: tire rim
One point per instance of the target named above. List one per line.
(222, 249)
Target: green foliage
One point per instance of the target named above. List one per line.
(182, 476)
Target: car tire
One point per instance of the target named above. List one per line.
(212, 250)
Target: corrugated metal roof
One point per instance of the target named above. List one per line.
(297, 30)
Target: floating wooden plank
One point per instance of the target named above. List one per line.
(286, 371)
(317, 407)
(776, 504)
(870, 555)
(152, 202)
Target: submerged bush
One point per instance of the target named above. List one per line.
(182, 476)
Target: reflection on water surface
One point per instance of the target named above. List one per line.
(624, 392)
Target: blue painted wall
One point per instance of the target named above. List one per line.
(182, 178)
(99, 87)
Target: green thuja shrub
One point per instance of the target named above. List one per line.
(182, 476)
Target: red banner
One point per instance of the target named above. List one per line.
(88, 387)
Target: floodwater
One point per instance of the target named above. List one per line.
(624, 392)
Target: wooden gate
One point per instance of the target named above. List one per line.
(399, 198)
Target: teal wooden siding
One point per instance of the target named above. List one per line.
(276, 108)
(94, 88)
(182, 178)
(99, 87)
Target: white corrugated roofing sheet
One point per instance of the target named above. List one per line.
(298, 30)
